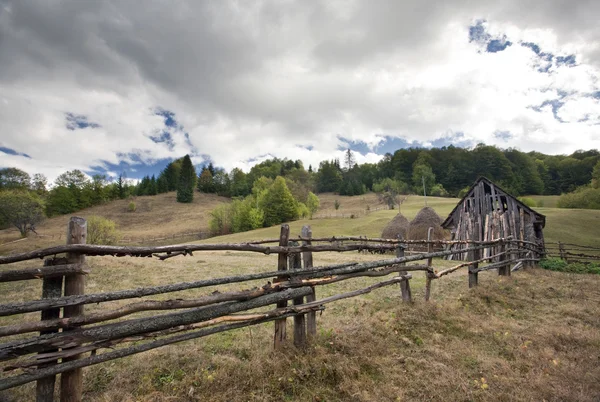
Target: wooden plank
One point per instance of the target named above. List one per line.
(280, 325)
(307, 259)
(475, 255)
(51, 288)
(71, 382)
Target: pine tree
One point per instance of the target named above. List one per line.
(152, 186)
(161, 184)
(206, 182)
(187, 180)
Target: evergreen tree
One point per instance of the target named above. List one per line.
(278, 204)
(152, 186)
(161, 184)
(187, 181)
(206, 182)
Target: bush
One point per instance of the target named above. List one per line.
(530, 202)
(336, 205)
(101, 231)
(131, 207)
(583, 197)
(220, 220)
(556, 264)
(303, 211)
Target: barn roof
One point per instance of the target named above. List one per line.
(448, 222)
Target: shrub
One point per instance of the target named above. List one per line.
(131, 207)
(556, 264)
(220, 222)
(303, 211)
(530, 202)
(583, 197)
(312, 203)
(101, 231)
(336, 205)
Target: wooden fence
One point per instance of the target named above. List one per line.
(64, 345)
(572, 252)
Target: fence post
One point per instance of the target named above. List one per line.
(307, 258)
(71, 382)
(503, 270)
(429, 269)
(280, 330)
(473, 274)
(51, 288)
(404, 285)
(295, 262)
(561, 250)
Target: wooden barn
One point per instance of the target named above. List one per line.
(488, 212)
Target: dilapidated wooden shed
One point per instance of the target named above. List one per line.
(487, 212)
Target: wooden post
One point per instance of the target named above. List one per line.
(295, 262)
(404, 285)
(280, 330)
(561, 250)
(71, 382)
(475, 255)
(307, 258)
(429, 269)
(503, 270)
(51, 288)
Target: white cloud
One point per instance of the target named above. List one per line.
(287, 79)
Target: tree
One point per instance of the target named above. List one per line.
(312, 203)
(161, 184)
(596, 176)
(101, 231)
(206, 182)
(238, 183)
(278, 204)
(122, 186)
(187, 181)
(39, 183)
(60, 201)
(423, 173)
(152, 187)
(13, 178)
(349, 160)
(329, 177)
(22, 209)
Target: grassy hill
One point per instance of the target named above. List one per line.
(533, 336)
(155, 216)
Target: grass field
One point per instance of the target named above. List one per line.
(533, 336)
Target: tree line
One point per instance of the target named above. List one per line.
(445, 171)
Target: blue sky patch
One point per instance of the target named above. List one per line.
(356, 146)
(11, 151)
(556, 104)
(503, 135)
(168, 116)
(78, 121)
(137, 170)
(164, 138)
(477, 32)
(569, 61)
(497, 45)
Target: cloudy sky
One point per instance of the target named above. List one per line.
(111, 86)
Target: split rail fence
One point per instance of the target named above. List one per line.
(572, 252)
(65, 343)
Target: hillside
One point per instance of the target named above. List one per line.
(532, 336)
(155, 216)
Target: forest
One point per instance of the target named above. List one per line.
(445, 171)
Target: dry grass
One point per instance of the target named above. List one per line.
(155, 216)
(535, 336)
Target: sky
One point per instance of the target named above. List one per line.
(125, 86)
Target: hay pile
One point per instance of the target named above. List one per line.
(426, 218)
(397, 226)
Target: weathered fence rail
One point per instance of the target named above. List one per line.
(65, 344)
(572, 252)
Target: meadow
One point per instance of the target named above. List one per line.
(532, 336)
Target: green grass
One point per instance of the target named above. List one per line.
(545, 201)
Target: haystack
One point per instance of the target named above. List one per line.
(426, 218)
(397, 226)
